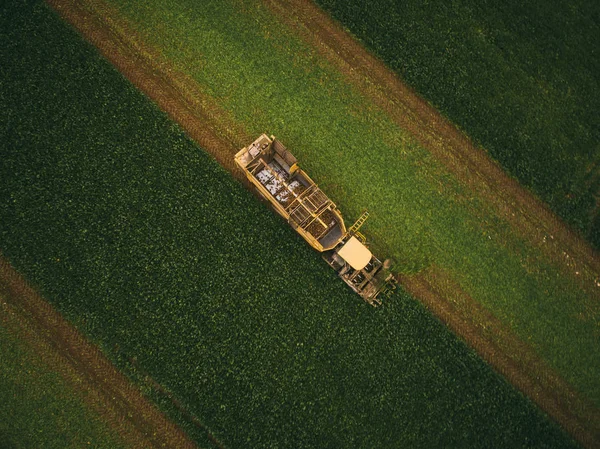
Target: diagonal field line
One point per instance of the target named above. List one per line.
(208, 125)
(471, 165)
(86, 370)
(526, 214)
(507, 354)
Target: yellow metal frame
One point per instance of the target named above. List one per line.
(281, 211)
(358, 223)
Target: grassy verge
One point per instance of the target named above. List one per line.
(268, 80)
(38, 408)
(156, 253)
(521, 79)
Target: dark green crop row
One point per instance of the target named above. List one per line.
(521, 78)
(157, 254)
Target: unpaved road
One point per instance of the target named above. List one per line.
(175, 93)
(137, 422)
(526, 215)
(216, 132)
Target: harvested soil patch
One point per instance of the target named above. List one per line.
(83, 366)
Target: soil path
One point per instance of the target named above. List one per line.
(507, 354)
(526, 214)
(174, 92)
(137, 421)
(219, 134)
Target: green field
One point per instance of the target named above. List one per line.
(155, 252)
(421, 215)
(521, 78)
(38, 409)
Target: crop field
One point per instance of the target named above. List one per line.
(60, 390)
(262, 74)
(178, 273)
(520, 79)
(37, 408)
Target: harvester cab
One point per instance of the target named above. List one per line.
(359, 268)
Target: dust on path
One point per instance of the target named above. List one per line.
(136, 421)
(219, 134)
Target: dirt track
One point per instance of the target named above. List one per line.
(175, 93)
(214, 130)
(509, 356)
(470, 164)
(85, 369)
(527, 215)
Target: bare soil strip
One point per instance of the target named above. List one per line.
(86, 370)
(150, 382)
(509, 356)
(529, 216)
(216, 132)
(174, 92)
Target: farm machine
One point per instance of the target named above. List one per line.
(275, 173)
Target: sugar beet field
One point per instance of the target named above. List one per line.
(425, 216)
(183, 277)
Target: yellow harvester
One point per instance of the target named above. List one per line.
(274, 171)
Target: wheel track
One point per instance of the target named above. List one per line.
(174, 92)
(86, 370)
(471, 165)
(508, 355)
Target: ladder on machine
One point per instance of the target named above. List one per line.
(357, 225)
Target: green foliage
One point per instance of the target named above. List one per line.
(521, 78)
(156, 253)
(37, 407)
(258, 70)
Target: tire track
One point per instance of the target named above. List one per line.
(507, 354)
(526, 215)
(174, 92)
(471, 165)
(136, 421)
